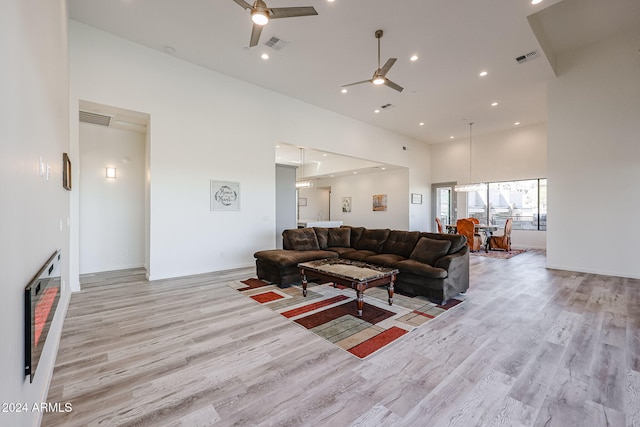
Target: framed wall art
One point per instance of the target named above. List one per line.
(379, 202)
(346, 204)
(66, 172)
(416, 198)
(302, 201)
(225, 196)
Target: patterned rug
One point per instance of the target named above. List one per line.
(331, 312)
(499, 254)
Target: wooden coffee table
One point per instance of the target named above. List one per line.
(354, 274)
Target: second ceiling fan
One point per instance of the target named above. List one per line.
(380, 75)
(261, 14)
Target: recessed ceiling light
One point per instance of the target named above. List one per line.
(277, 146)
(516, 123)
(344, 90)
(414, 57)
(494, 104)
(325, 155)
(376, 111)
(355, 173)
(483, 73)
(421, 124)
(536, 1)
(331, 1)
(451, 137)
(383, 168)
(264, 56)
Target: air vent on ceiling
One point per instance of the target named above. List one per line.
(94, 118)
(276, 43)
(527, 56)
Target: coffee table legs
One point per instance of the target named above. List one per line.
(304, 283)
(360, 300)
(359, 287)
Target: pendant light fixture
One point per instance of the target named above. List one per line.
(301, 183)
(469, 187)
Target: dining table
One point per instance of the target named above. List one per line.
(487, 230)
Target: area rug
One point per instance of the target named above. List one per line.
(499, 254)
(331, 312)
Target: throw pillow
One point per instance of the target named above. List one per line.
(428, 251)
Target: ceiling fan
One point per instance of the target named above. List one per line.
(260, 15)
(380, 75)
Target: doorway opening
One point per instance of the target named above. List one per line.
(113, 190)
(444, 206)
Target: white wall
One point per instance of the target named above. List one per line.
(594, 159)
(111, 210)
(317, 207)
(198, 132)
(361, 188)
(34, 122)
(518, 153)
(285, 201)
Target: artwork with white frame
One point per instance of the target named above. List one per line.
(225, 196)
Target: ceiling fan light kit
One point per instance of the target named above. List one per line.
(260, 17)
(380, 75)
(261, 14)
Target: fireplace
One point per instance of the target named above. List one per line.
(41, 299)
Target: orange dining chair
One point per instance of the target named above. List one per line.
(467, 228)
(482, 235)
(504, 241)
(439, 224)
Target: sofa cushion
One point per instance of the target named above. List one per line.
(401, 243)
(340, 250)
(300, 239)
(386, 260)
(420, 269)
(290, 258)
(356, 233)
(458, 241)
(322, 234)
(373, 240)
(357, 255)
(339, 237)
(428, 251)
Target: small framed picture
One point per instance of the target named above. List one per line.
(380, 202)
(416, 198)
(302, 201)
(346, 204)
(66, 172)
(225, 196)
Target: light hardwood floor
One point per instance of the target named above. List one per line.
(529, 347)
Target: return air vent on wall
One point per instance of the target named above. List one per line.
(276, 43)
(95, 119)
(527, 56)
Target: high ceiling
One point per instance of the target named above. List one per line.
(454, 40)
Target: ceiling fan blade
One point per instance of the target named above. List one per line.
(393, 85)
(357, 83)
(289, 12)
(243, 3)
(256, 30)
(388, 65)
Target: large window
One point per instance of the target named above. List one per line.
(524, 201)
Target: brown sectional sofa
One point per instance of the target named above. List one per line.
(430, 264)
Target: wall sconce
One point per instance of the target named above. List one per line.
(111, 173)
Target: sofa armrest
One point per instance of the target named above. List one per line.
(448, 261)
